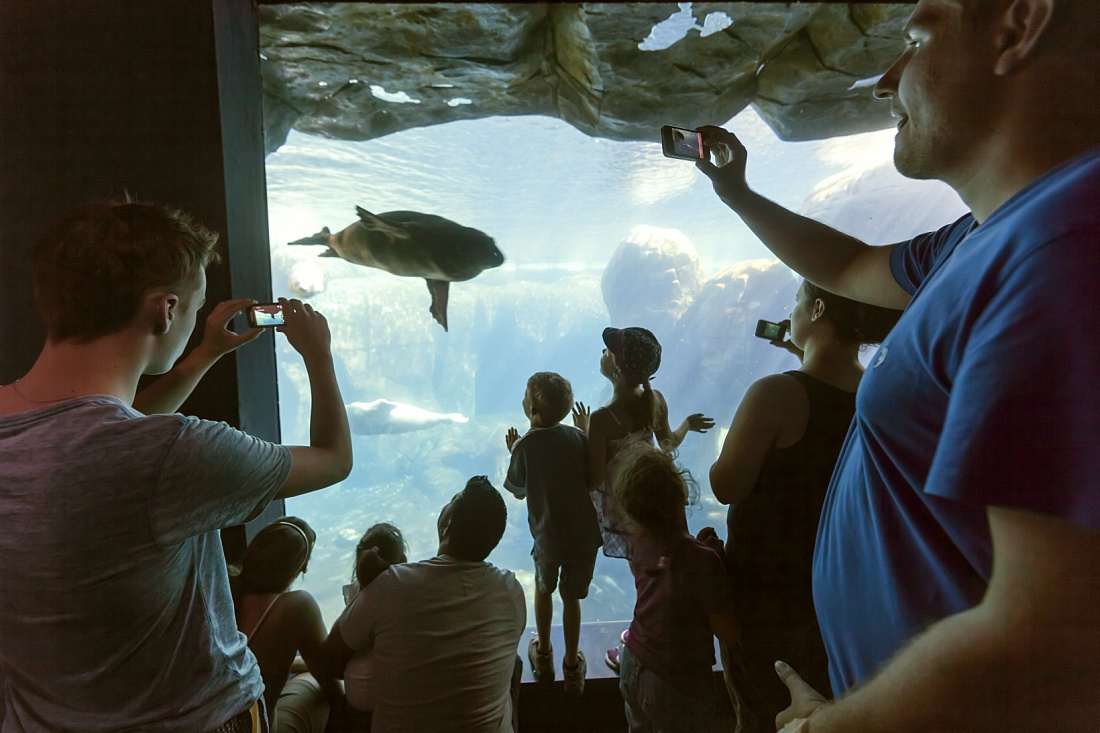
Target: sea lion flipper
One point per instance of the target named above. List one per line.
(439, 289)
(330, 252)
(375, 223)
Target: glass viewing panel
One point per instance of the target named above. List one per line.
(594, 233)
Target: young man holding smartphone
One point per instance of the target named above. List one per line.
(115, 612)
(955, 573)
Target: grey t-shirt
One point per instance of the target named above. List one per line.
(115, 612)
(548, 468)
(435, 641)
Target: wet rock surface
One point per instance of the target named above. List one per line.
(358, 71)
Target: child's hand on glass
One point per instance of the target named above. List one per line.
(699, 423)
(511, 438)
(581, 414)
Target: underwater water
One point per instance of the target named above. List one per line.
(594, 233)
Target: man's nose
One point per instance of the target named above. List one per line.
(887, 85)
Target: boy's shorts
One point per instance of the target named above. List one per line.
(576, 576)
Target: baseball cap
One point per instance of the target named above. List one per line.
(637, 352)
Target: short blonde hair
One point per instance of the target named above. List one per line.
(551, 396)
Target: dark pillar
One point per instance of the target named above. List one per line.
(161, 100)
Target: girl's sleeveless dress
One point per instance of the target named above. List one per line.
(618, 534)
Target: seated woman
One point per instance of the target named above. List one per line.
(773, 471)
(381, 546)
(281, 623)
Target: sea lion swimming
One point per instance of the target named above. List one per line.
(412, 244)
(383, 417)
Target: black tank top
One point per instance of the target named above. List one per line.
(772, 533)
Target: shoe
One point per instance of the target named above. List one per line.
(542, 665)
(574, 678)
(612, 658)
(622, 636)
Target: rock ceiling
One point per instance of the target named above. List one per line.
(357, 71)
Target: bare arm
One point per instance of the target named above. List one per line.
(836, 261)
(167, 393)
(771, 406)
(597, 448)
(333, 654)
(662, 431)
(310, 628)
(327, 459)
(669, 439)
(1024, 659)
(725, 626)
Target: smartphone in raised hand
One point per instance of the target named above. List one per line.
(683, 144)
(770, 331)
(265, 315)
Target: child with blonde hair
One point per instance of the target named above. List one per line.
(548, 469)
(684, 599)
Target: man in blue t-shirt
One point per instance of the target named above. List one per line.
(956, 568)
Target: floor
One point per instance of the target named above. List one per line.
(545, 707)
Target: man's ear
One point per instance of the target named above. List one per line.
(1021, 28)
(163, 309)
(818, 309)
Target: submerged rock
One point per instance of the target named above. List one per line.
(651, 279)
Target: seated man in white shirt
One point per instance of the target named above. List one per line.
(441, 634)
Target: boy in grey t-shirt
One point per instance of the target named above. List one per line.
(115, 612)
(548, 469)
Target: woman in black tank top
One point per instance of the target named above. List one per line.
(773, 471)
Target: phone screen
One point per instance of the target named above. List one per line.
(681, 143)
(770, 331)
(265, 315)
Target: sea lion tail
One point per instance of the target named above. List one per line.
(322, 237)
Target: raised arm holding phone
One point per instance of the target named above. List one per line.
(832, 259)
(955, 566)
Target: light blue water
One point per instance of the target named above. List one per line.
(558, 204)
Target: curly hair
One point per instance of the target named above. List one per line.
(652, 489)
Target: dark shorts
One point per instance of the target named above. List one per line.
(576, 576)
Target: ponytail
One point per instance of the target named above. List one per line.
(650, 407)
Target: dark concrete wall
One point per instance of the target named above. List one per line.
(158, 99)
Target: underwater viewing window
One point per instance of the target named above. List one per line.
(593, 233)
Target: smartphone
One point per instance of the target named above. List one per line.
(265, 315)
(770, 331)
(683, 144)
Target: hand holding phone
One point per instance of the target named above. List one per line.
(265, 315)
(683, 144)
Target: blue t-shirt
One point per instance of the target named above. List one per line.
(987, 392)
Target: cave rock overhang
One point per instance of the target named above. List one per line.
(358, 71)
